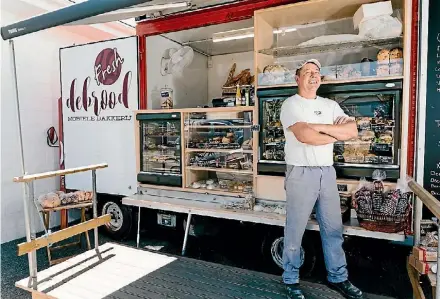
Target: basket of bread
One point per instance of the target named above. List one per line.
(382, 210)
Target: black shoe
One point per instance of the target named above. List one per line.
(294, 292)
(346, 289)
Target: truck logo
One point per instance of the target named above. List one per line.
(108, 66)
(107, 71)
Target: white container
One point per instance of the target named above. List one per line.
(166, 98)
(368, 11)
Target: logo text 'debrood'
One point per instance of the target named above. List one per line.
(107, 70)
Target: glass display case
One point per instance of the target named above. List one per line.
(219, 150)
(377, 113)
(271, 150)
(376, 108)
(160, 142)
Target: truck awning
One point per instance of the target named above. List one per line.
(86, 12)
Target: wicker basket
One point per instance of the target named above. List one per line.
(379, 222)
(385, 224)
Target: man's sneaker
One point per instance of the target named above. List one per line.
(346, 289)
(294, 292)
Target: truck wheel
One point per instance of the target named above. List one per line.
(272, 249)
(121, 221)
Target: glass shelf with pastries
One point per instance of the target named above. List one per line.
(221, 172)
(375, 65)
(223, 131)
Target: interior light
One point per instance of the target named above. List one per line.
(233, 35)
(244, 33)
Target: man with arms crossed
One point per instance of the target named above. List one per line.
(311, 125)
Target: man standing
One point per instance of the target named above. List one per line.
(311, 125)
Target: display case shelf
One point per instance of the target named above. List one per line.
(216, 150)
(225, 170)
(218, 127)
(330, 82)
(332, 47)
(215, 191)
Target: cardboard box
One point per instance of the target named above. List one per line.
(421, 267)
(425, 254)
(368, 11)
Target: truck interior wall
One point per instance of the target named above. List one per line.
(38, 74)
(219, 70)
(189, 90)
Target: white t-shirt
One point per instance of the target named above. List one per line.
(319, 111)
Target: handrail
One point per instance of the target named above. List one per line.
(44, 175)
(430, 201)
(434, 206)
(63, 234)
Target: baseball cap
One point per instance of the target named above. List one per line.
(304, 62)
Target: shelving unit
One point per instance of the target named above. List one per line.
(345, 55)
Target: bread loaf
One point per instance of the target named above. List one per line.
(49, 200)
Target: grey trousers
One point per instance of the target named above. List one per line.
(305, 188)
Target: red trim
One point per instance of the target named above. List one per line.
(61, 142)
(205, 17)
(413, 89)
(64, 219)
(142, 49)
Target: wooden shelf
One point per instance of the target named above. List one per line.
(218, 127)
(215, 150)
(87, 204)
(225, 170)
(305, 12)
(355, 80)
(199, 110)
(215, 191)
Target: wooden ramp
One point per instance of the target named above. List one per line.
(129, 273)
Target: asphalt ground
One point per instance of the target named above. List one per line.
(375, 266)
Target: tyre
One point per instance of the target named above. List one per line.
(272, 250)
(121, 222)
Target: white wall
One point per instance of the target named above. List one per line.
(189, 91)
(37, 60)
(221, 65)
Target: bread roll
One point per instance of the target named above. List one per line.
(81, 195)
(383, 56)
